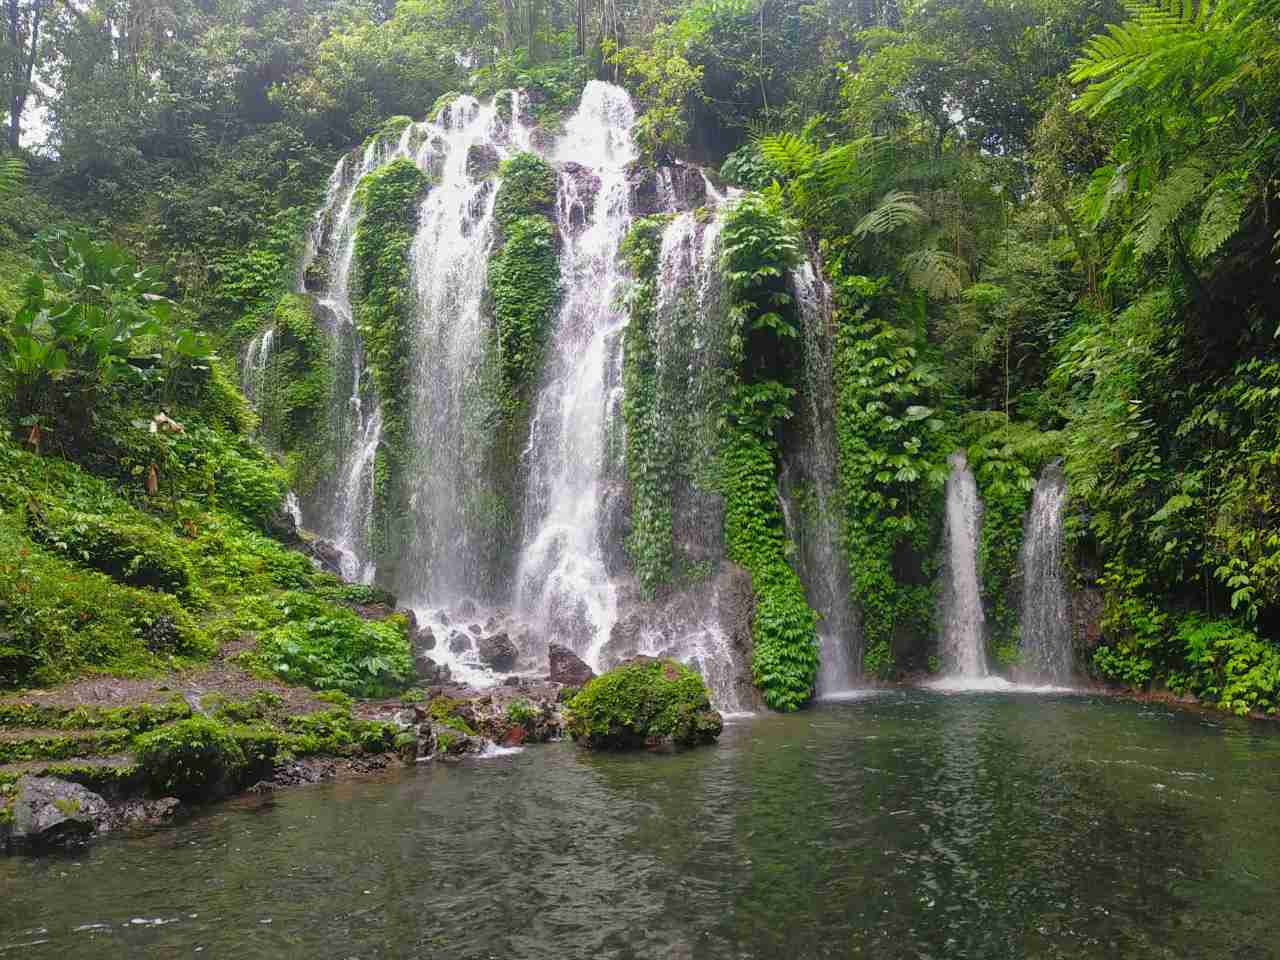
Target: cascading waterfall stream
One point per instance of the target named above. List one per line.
(1046, 617)
(823, 567)
(963, 620)
(690, 340)
(563, 581)
(447, 557)
(253, 372)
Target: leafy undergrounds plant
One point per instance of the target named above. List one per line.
(337, 650)
(641, 702)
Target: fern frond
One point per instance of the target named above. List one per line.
(1166, 44)
(789, 153)
(12, 172)
(1168, 200)
(895, 210)
(939, 274)
(1221, 215)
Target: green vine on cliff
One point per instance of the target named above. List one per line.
(296, 388)
(524, 275)
(390, 198)
(649, 455)
(759, 248)
(892, 468)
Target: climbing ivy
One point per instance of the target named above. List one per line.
(892, 468)
(390, 198)
(759, 248)
(524, 282)
(296, 389)
(649, 454)
(528, 189)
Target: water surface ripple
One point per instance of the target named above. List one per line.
(909, 824)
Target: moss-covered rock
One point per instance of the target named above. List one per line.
(192, 759)
(641, 702)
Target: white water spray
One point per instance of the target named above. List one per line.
(1046, 618)
(962, 617)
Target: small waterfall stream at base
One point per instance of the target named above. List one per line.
(1046, 616)
(963, 621)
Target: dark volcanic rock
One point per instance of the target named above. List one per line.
(459, 642)
(482, 160)
(498, 652)
(430, 672)
(284, 527)
(681, 186)
(49, 810)
(671, 187)
(567, 667)
(327, 555)
(580, 197)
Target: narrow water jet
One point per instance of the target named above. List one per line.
(253, 371)
(1046, 616)
(963, 621)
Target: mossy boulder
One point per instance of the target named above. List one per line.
(644, 701)
(192, 759)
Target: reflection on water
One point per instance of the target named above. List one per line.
(909, 824)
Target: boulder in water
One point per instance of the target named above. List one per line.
(430, 672)
(498, 652)
(644, 702)
(49, 810)
(459, 642)
(567, 667)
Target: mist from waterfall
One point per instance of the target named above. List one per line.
(1046, 613)
(963, 621)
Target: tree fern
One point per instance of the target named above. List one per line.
(1220, 217)
(1167, 44)
(939, 274)
(12, 173)
(791, 154)
(1168, 200)
(895, 210)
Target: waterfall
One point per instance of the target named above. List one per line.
(1046, 621)
(563, 576)
(341, 505)
(814, 524)
(449, 551)
(563, 581)
(962, 616)
(253, 372)
(690, 337)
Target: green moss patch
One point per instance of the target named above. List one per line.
(643, 701)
